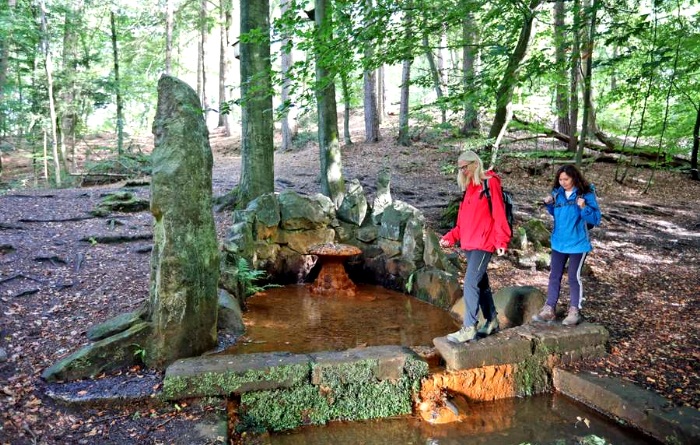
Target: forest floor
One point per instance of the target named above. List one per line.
(642, 284)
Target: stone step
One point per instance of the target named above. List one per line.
(514, 345)
(643, 409)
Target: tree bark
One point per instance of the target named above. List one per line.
(203, 34)
(696, 146)
(224, 19)
(404, 137)
(257, 149)
(286, 60)
(381, 95)
(435, 76)
(504, 94)
(347, 139)
(168, 36)
(332, 182)
(562, 98)
(4, 64)
(69, 93)
(117, 86)
(587, 83)
(575, 69)
(370, 95)
(470, 123)
(48, 67)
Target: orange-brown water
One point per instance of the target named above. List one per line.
(294, 320)
(545, 419)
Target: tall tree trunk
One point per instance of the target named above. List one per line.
(470, 37)
(203, 33)
(48, 67)
(696, 146)
(257, 149)
(4, 64)
(168, 36)
(575, 69)
(381, 95)
(286, 60)
(224, 6)
(68, 94)
(404, 137)
(435, 74)
(370, 104)
(117, 86)
(332, 182)
(370, 94)
(562, 94)
(587, 108)
(347, 139)
(504, 94)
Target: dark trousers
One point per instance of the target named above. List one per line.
(477, 291)
(557, 271)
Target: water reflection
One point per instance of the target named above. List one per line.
(546, 419)
(292, 319)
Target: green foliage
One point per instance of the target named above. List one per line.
(248, 277)
(130, 165)
(409, 283)
(303, 138)
(347, 392)
(139, 352)
(448, 217)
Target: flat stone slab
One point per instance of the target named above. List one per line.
(222, 375)
(379, 363)
(643, 409)
(502, 348)
(112, 391)
(557, 338)
(516, 344)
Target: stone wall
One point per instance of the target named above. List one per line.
(276, 230)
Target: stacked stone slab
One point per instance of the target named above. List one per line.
(276, 230)
(280, 391)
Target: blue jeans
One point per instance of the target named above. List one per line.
(477, 291)
(557, 271)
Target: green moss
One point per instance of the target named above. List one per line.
(226, 383)
(279, 410)
(532, 375)
(345, 391)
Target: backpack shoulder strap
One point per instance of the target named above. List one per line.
(487, 192)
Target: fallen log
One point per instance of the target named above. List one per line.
(608, 146)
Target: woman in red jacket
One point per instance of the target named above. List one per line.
(481, 231)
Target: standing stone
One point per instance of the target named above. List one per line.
(185, 257)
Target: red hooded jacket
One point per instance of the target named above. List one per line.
(477, 228)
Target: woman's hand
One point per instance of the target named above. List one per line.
(548, 199)
(581, 202)
(444, 243)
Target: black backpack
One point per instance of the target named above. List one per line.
(507, 201)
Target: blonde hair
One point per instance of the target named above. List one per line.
(477, 177)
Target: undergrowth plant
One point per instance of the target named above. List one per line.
(248, 277)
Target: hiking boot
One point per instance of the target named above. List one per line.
(546, 314)
(467, 333)
(490, 327)
(572, 318)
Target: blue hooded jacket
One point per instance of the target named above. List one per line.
(570, 232)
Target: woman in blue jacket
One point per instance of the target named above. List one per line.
(575, 209)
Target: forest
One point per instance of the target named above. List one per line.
(309, 94)
(625, 71)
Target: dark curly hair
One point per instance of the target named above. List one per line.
(572, 172)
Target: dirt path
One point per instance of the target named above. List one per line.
(56, 279)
